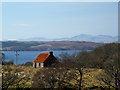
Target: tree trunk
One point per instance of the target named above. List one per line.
(116, 84)
(80, 80)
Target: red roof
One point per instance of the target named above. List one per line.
(41, 58)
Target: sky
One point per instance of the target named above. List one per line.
(21, 20)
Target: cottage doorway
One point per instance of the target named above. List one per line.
(35, 65)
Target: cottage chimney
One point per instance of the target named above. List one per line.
(51, 53)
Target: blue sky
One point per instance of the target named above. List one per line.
(58, 19)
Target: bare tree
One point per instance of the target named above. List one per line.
(73, 62)
(51, 78)
(111, 76)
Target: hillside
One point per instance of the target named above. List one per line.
(98, 70)
(26, 74)
(52, 45)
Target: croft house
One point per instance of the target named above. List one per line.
(44, 60)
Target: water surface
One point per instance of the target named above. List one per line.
(29, 56)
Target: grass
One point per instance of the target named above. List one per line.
(90, 74)
(25, 72)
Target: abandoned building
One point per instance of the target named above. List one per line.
(44, 60)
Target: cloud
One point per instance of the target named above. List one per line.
(22, 25)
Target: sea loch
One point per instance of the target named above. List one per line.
(29, 56)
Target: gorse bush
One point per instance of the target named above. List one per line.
(10, 62)
(101, 57)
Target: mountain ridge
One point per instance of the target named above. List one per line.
(81, 37)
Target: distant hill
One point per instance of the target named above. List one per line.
(51, 45)
(81, 37)
(97, 38)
